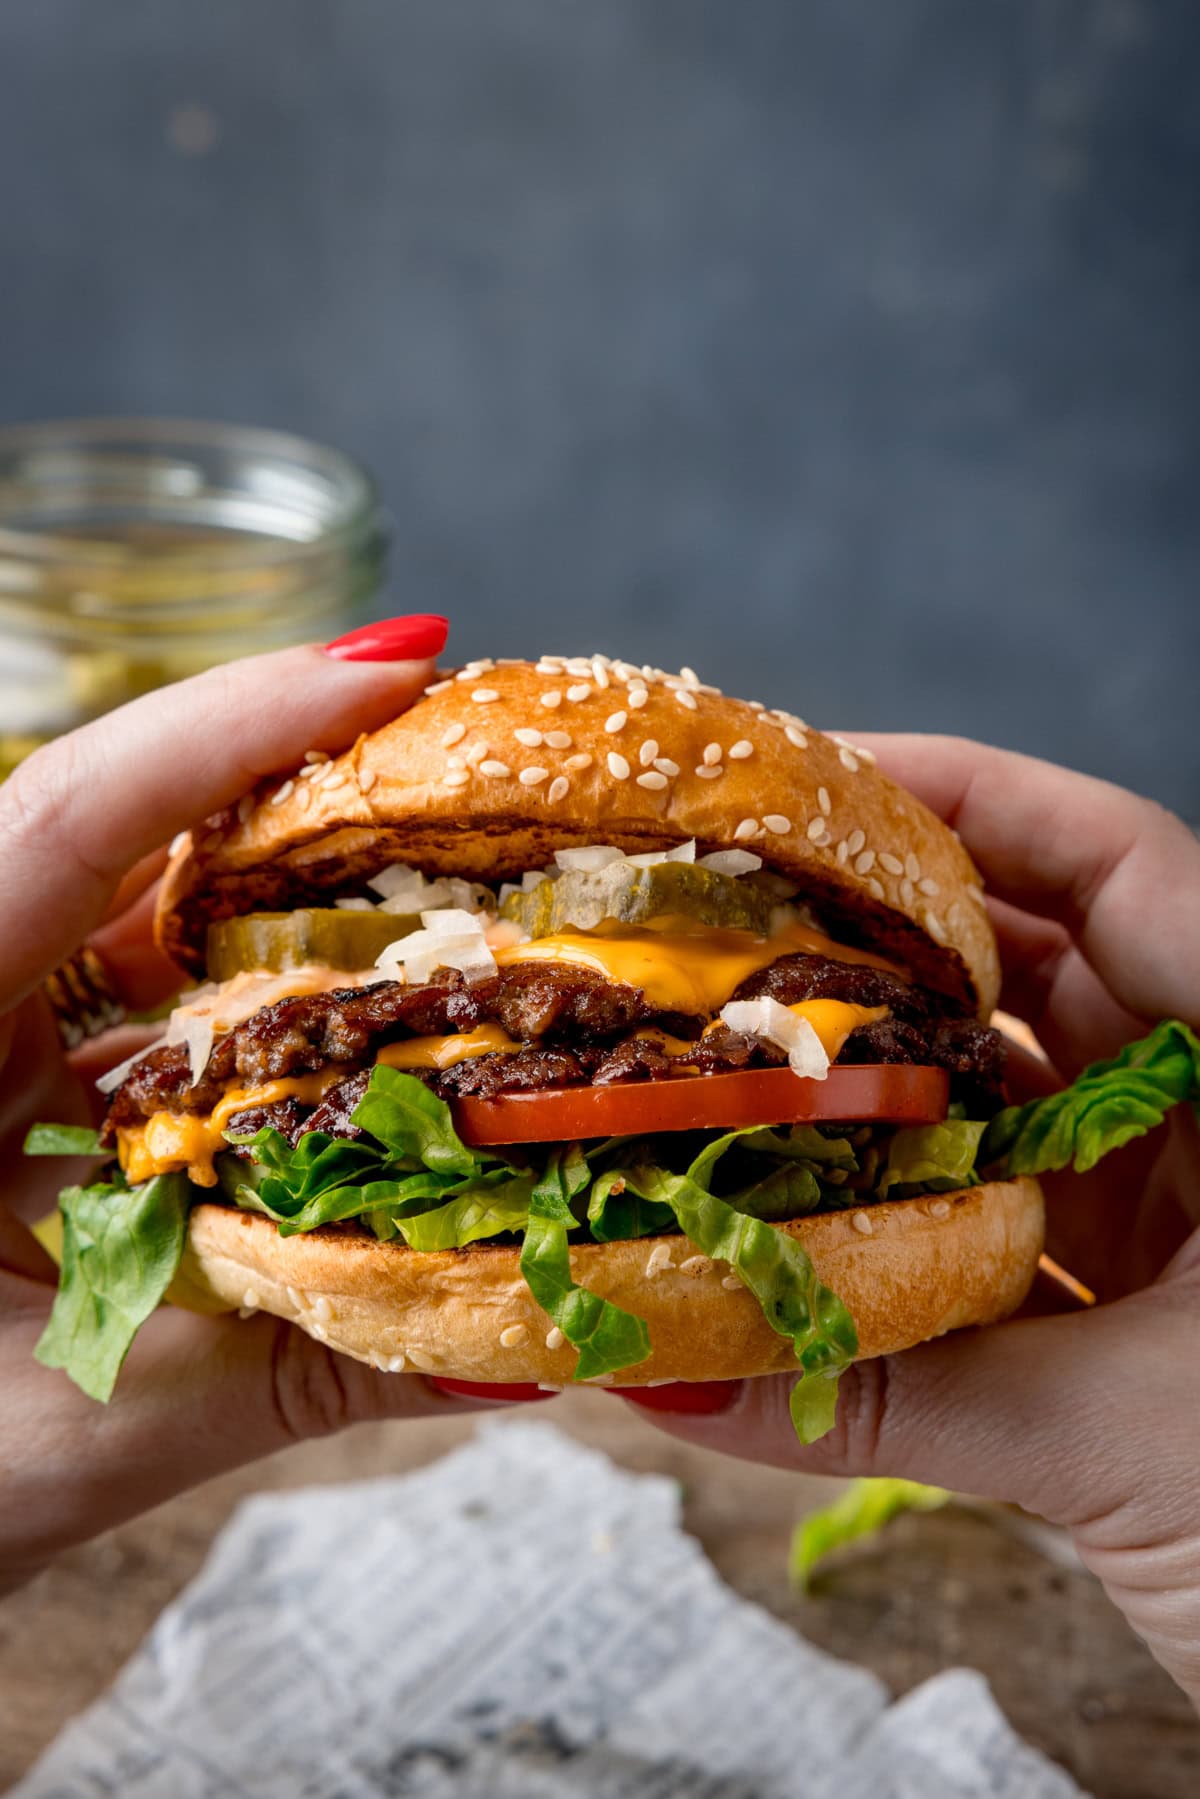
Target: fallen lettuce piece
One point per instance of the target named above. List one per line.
(934, 1157)
(606, 1337)
(121, 1249)
(864, 1508)
(63, 1140)
(1109, 1104)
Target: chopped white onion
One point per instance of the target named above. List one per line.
(594, 856)
(731, 862)
(773, 1023)
(112, 1078)
(683, 852)
(398, 878)
(354, 905)
(451, 938)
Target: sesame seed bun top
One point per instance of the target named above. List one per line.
(499, 765)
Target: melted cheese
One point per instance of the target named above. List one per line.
(679, 965)
(834, 1019)
(444, 1052)
(173, 1140)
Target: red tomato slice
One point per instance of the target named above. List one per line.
(887, 1093)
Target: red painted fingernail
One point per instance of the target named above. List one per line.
(692, 1396)
(499, 1392)
(412, 638)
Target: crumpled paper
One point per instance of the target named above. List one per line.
(522, 1620)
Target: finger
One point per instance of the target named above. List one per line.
(78, 814)
(1118, 871)
(1059, 1415)
(196, 1397)
(141, 876)
(142, 976)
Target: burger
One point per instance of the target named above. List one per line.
(579, 1024)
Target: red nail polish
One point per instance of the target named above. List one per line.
(415, 637)
(499, 1392)
(695, 1397)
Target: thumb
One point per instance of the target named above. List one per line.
(1062, 1416)
(197, 1397)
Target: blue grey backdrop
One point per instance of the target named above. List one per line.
(847, 349)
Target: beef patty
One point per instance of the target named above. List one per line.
(581, 1027)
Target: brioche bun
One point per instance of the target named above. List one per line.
(451, 787)
(906, 1270)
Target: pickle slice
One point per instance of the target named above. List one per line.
(582, 899)
(279, 940)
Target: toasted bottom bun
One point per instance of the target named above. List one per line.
(906, 1271)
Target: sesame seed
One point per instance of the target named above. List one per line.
(552, 697)
(862, 1223)
(316, 1330)
(439, 686)
(245, 807)
(695, 1265)
(755, 705)
(816, 829)
(395, 1364)
(652, 780)
(549, 665)
(940, 1208)
(658, 1259)
(599, 673)
(580, 691)
(712, 754)
(294, 1298)
(250, 1299)
(824, 801)
(453, 734)
(513, 1335)
(555, 1338)
(731, 1283)
(777, 823)
(648, 752)
(685, 698)
(875, 888)
(533, 777)
(421, 1358)
(477, 753)
(575, 763)
(309, 773)
(557, 790)
(177, 843)
(616, 721)
(740, 750)
(322, 1309)
(891, 863)
(747, 828)
(908, 892)
(637, 698)
(284, 793)
(848, 759)
(455, 777)
(315, 756)
(579, 665)
(795, 736)
(706, 773)
(690, 676)
(935, 927)
(843, 851)
(928, 887)
(366, 779)
(525, 735)
(912, 867)
(618, 768)
(864, 863)
(501, 770)
(665, 766)
(483, 696)
(559, 740)
(855, 841)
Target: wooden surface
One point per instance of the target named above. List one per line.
(944, 1588)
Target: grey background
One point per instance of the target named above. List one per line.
(846, 349)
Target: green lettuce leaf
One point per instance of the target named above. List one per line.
(615, 1211)
(478, 1212)
(63, 1140)
(934, 1157)
(414, 1125)
(777, 1270)
(1108, 1105)
(121, 1248)
(606, 1337)
(865, 1507)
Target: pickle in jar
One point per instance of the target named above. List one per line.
(277, 941)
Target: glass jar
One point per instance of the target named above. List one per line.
(136, 552)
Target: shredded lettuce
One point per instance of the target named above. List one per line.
(864, 1508)
(63, 1140)
(932, 1158)
(1108, 1105)
(121, 1249)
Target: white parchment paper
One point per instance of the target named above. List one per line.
(522, 1620)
